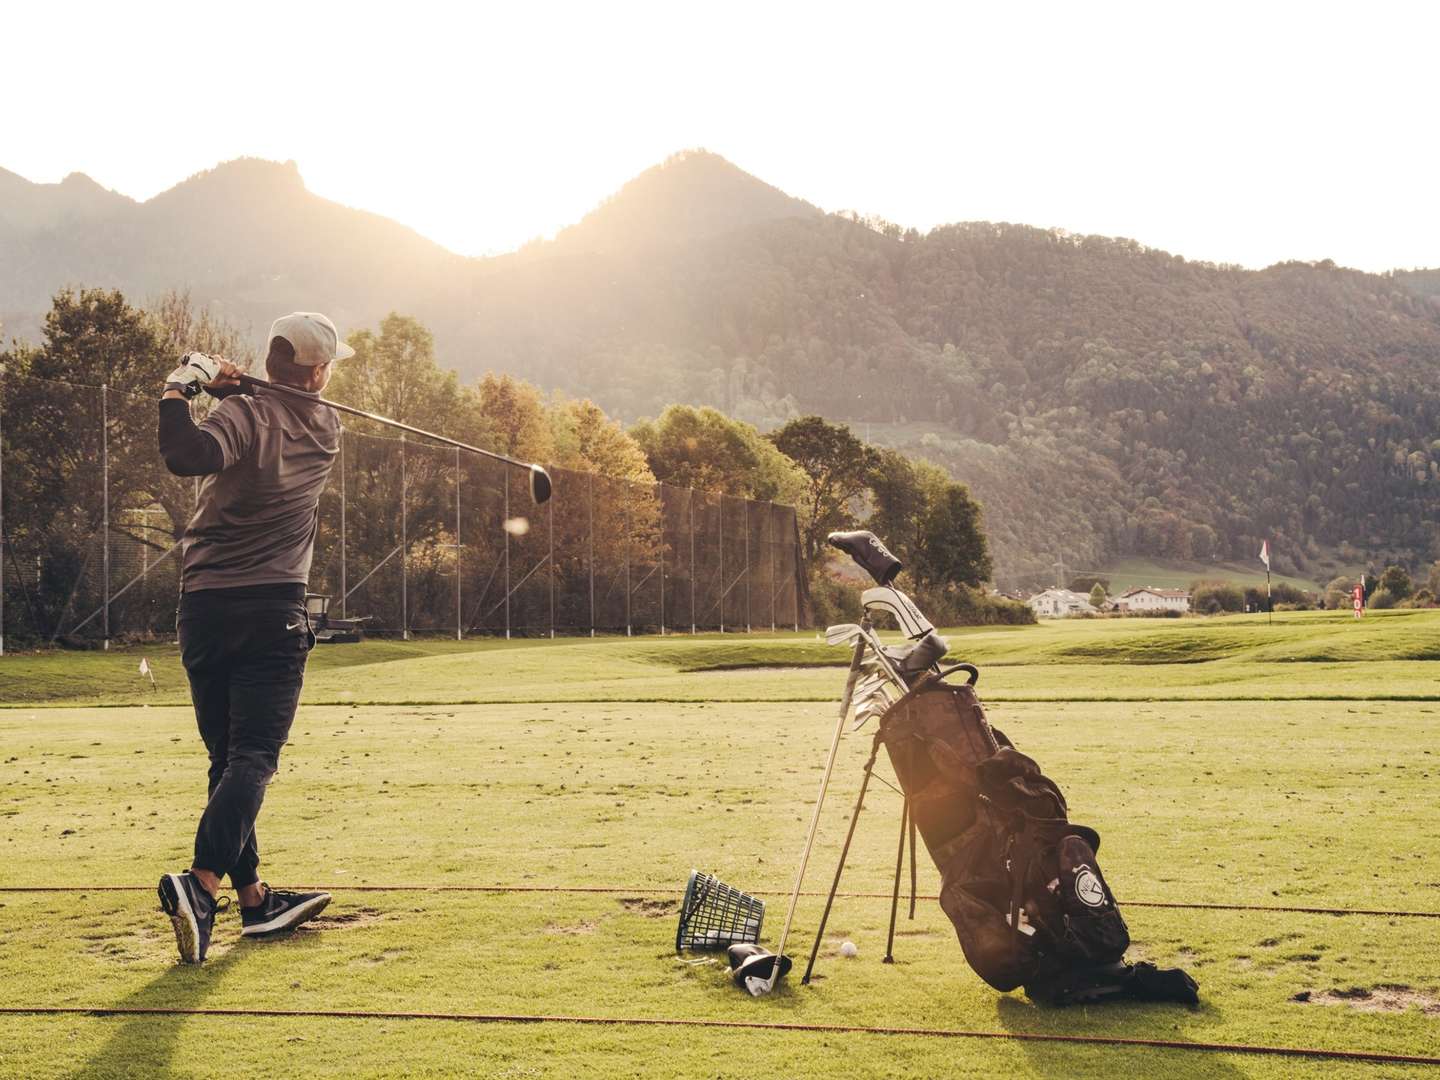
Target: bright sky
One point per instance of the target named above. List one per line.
(1243, 133)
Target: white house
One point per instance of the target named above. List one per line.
(1150, 598)
(1059, 604)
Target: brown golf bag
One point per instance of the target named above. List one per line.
(1020, 882)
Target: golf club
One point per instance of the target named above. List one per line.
(540, 486)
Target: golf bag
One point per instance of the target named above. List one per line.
(1019, 881)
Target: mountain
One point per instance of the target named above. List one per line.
(1103, 399)
(246, 237)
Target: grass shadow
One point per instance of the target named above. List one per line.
(144, 1045)
(1022, 1016)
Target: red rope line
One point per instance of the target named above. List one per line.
(752, 1025)
(638, 890)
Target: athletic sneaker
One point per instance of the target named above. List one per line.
(192, 909)
(281, 910)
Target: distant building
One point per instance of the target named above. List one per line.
(1059, 604)
(1150, 598)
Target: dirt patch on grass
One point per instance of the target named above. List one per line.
(650, 908)
(579, 928)
(1384, 998)
(346, 920)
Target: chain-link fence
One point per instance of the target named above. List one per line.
(413, 538)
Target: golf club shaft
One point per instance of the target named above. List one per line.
(819, 801)
(252, 380)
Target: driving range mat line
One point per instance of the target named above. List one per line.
(1371, 1056)
(620, 890)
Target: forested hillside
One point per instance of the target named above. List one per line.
(1100, 398)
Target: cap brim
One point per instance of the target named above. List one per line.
(343, 351)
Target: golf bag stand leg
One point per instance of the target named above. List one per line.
(844, 852)
(895, 896)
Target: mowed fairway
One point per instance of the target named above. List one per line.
(1224, 762)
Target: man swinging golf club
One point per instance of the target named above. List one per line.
(242, 623)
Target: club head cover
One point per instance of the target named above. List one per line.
(753, 963)
(867, 550)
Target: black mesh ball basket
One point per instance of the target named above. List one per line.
(714, 915)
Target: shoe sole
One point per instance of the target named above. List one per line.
(175, 902)
(288, 920)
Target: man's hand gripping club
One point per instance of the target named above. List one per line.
(197, 372)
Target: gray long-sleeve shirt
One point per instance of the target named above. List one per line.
(256, 518)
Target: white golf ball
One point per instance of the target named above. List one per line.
(847, 948)
(517, 526)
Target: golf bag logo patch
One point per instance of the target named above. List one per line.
(1088, 889)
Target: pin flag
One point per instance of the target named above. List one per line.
(145, 670)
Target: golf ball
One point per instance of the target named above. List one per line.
(517, 526)
(847, 948)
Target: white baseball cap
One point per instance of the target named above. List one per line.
(313, 337)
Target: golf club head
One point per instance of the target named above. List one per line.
(753, 968)
(841, 633)
(540, 486)
(869, 553)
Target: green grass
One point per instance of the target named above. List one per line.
(1253, 799)
(1301, 655)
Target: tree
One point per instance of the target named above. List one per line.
(1338, 592)
(704, 449)
(1097, 596)
(838, 467)
(394, 373)
(952, 548)
(1432, 582)
(512, 418)
(1396, 582)
(586, 440)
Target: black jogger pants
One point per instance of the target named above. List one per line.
(244, 651)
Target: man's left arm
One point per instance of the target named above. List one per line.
(187, 450)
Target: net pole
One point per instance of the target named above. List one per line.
(105, 503)
(344, 592)
(404, 548)
(505, 525)
(628, 538)
(550, 564)
(692, 560)
(770, 547)
(721, 516)
(747, 566)
(591, 533)
(660, 493)
(459, 619)
(2, 509)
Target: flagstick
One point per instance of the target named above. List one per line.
(1269, 606)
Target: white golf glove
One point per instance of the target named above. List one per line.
(195, 370)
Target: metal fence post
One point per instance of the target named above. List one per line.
(550, 563)
(770, 545)
(459, 552)
(506, 527)
(404, 548)
(344, 591)
(105, 501)
(660, 494)
(747, 566)
(591, 534)
(692, 560)
(722, 561)
(629, 537)
(2, 509)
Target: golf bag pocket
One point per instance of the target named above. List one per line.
(935, 736)
(1092, 929)
(995, 952)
